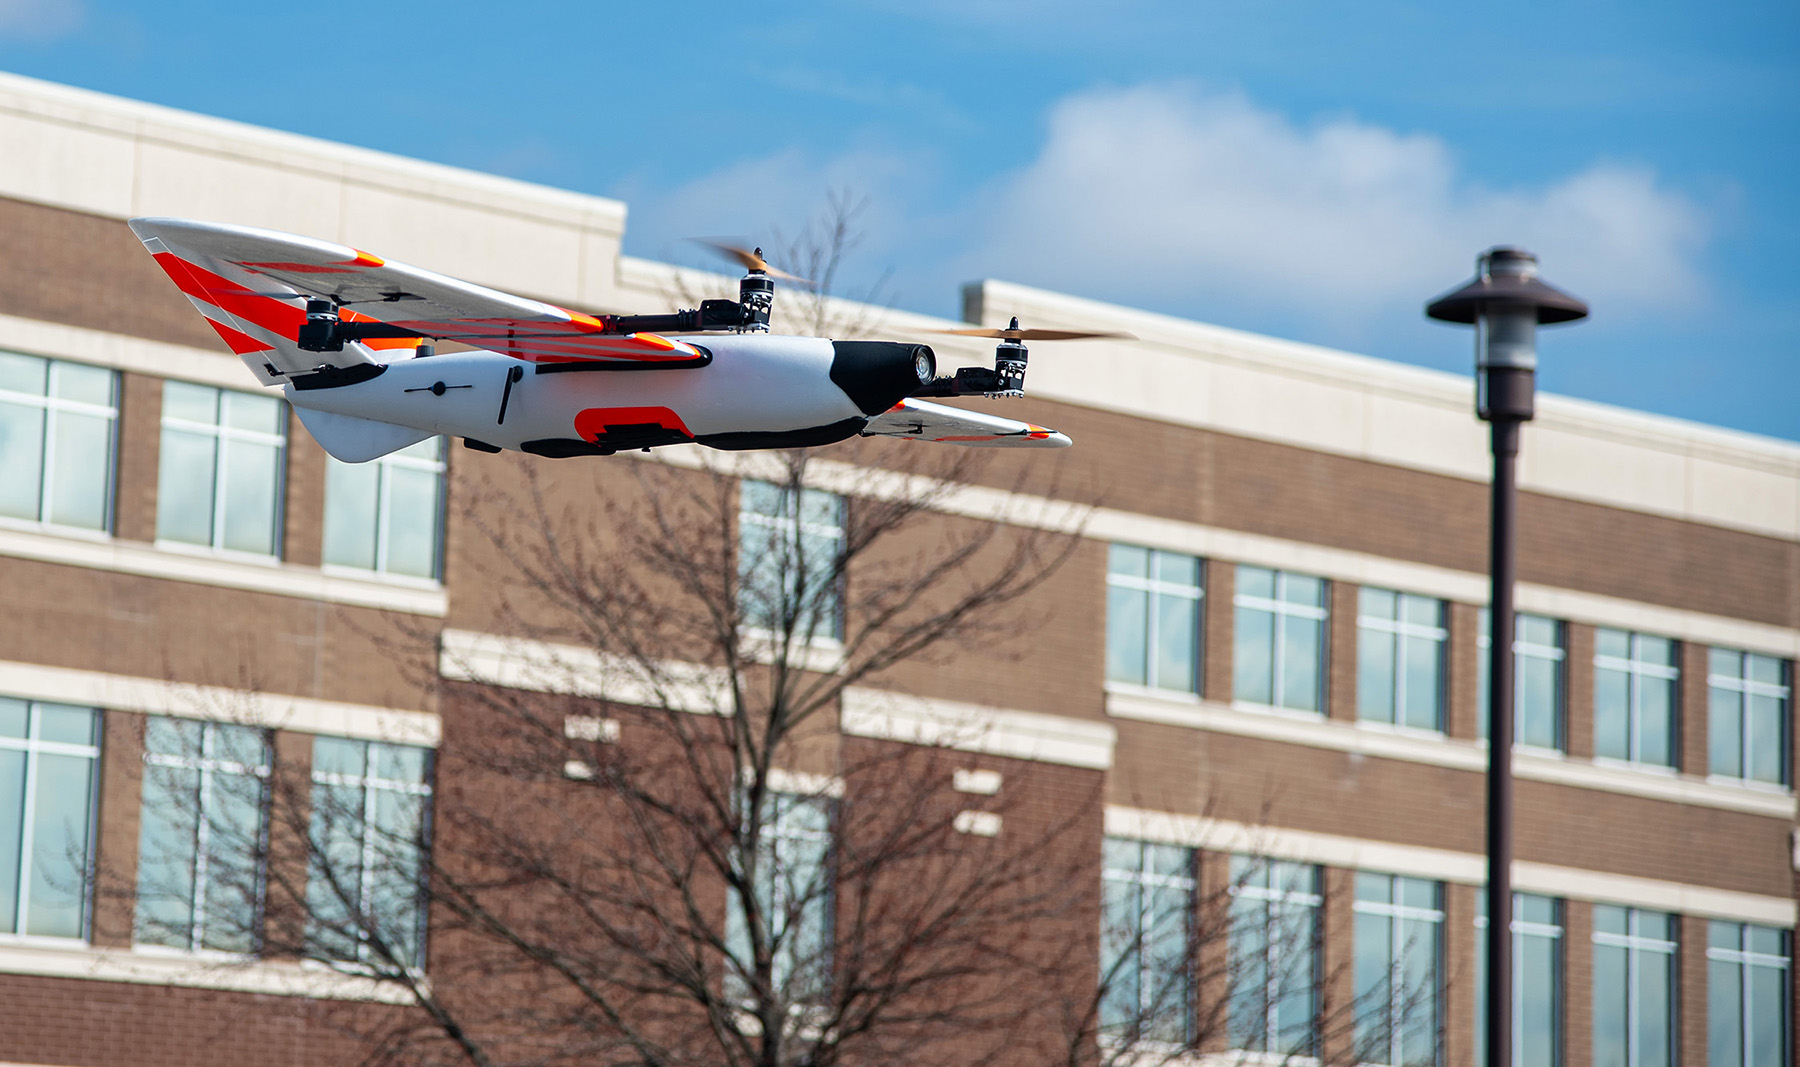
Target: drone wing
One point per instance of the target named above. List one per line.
(919, 420)
(252, 286)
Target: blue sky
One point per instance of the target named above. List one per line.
(1309, 170)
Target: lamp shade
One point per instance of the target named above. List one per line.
(1508, 278)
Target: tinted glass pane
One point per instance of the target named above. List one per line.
(1615, 643)
(762, 498)
(1376, 888)
(1297, 983)
(1417, 892)
(351, 492)
(1253, 657)
(1302, 657)
(333, 888)
(1422, 610)
(1768, 1017)
(232, 885)
(1609, 919)
(80, 382)
(1537, 630)
(1177, 569)
(1767, 940)
(172, 737)
(22, 458)
(1612, 714)
(184, 487)
(1249, 974)
(1177, 643)
(1373, 939)
(1657, 924)
(244, 745)
(59, 850)
(336, 755)
(1724, 1013)
(399, 822)
(1766, 742)
(73, 726)
(167, 840)
(80, 471)
(1129, 560)
(413, 522)
(1118, 958)
(1656, 721)
(1764, 669)
(1611, 1007)
(1169, 859)
(22, 374)
(1539, 1041)
(1654, 1028)
(191, 403)
(1424, 683)
(261, 414)
(12, 816)
(819, 508)
(1255, 581)
(1304, 589)
(252, 478)
(405, 763)
(1127, 635)
(1418, 999)
(1535, 909)
(1375, 682)
(1725, 663)
(12, 717)
(1657, 650)
(1377, 603)
(1724, 732)
(1539, 702)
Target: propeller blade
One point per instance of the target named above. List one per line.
(1038, 335)
(751, 260)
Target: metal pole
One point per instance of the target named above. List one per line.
(1504, 523)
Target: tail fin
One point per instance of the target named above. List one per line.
(355, 440)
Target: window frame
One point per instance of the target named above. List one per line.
(1138, 882)
(1743, 959)
(221, 434)
(775, 831)
(52, 405)
(792, 528)
(384, 467)
(1745, 687)
(371, 785)
(1522, 650)
(33, 747)
(1278, 906)
(1400, 630)
(209, 767)
(1636, 670)
(1153, 587)
(1280, 609)
(1395, 951)
(1634, 945)
(1521, 928)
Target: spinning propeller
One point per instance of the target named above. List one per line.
(1007, 376)
(1013, 333)
(751, 260)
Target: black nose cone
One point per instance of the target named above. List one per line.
(876, 375)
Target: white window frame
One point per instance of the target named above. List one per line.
(210, 767)
(1635, 945)
(223, 434)
(370, 785)
(1399, 914)
(1277, 904)
(1636, 670)
(1401, 630)
(790, 528)
(384, 511)
(1747, 688)
(1523, 650)
(778, 842)
(33, 747)
(1282, 609)
(1522, 929)
(1137, 881)
(1744, 959)
(52, 405)
(1153, 587)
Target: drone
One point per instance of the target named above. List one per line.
(352, 338)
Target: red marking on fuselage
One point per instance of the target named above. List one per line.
(592, 423)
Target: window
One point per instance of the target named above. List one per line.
(1400, 659)
(1153, 618)
(1537, 980)
(1538, 652)
(1274, 961)
(789, 542)
(1279, 655)
(1635, 678)
(57, 422)
(365, 890)
(220, 482)
(1146, 930)
(1747, 716)
(1634, 988)
(793, 885)
(386, 515)
(48, 762)
(1747, 1005)
(202, 837)
(1399, 945)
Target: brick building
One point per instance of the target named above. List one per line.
(1267, 640)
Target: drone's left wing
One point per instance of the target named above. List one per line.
(919, 420)
(252, 286)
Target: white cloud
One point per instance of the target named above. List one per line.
(39, 19)
(1173, 194)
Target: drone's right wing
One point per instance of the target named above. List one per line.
(252, 285)
(919, 420)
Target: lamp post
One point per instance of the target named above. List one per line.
(1505, 302)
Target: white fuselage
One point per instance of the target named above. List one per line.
(756, 383)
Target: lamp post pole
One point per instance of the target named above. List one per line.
(1505, 302)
